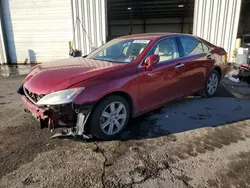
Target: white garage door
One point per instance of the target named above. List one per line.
(37, 30)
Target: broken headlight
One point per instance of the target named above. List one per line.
(60, 97)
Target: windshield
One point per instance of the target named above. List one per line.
(120, 50)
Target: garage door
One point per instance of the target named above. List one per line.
(146, 16)
(37, 30)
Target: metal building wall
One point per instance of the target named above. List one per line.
(89, 24)
(217, 21)
(37, 30)
(2, 46)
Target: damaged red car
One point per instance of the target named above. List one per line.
(124, 78)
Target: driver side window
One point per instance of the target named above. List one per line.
(167, 50)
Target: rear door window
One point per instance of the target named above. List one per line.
(192, 46)
(205, 48)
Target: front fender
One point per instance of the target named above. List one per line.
(96, 91)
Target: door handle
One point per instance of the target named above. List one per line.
(209, 57)
(179, 65)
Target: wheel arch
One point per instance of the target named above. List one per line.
(218, 69)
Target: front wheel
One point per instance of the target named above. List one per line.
(212, 84)
(110, 117)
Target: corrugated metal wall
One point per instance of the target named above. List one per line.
(37, 30)
(2, 46)
(89, 24)
(217, 21)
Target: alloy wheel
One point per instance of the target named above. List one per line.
(113, 118)
(212, 83)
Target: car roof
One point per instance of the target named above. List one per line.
(151, 36)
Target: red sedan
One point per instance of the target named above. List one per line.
(124, 78)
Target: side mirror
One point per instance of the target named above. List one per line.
(151, 61)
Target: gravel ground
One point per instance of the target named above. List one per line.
(190, 143)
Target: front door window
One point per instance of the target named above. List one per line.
(167, 50)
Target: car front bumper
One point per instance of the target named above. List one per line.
(58, 116)
(35, 110)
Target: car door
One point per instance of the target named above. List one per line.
(162, 83)
(195, 56)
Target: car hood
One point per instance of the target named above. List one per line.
(59, 75)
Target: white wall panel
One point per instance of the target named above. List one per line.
(89, 24)
(2, 46)
(37, 30)
(217, 21)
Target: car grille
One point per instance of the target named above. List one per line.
(32, 96)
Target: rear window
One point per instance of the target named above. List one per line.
(192, 46)
(205, 48)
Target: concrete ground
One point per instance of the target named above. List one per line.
(195, 142)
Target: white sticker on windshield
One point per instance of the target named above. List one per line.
(128, 60)
(141, 41)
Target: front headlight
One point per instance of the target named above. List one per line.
(60, 97)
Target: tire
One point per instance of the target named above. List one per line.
(97, 118)
(208, 92)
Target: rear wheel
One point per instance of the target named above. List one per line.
(212, 84)
(110, 117)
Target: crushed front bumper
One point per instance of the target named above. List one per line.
(66, 115)
(35, 110)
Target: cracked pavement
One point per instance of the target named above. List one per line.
(190, 143)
